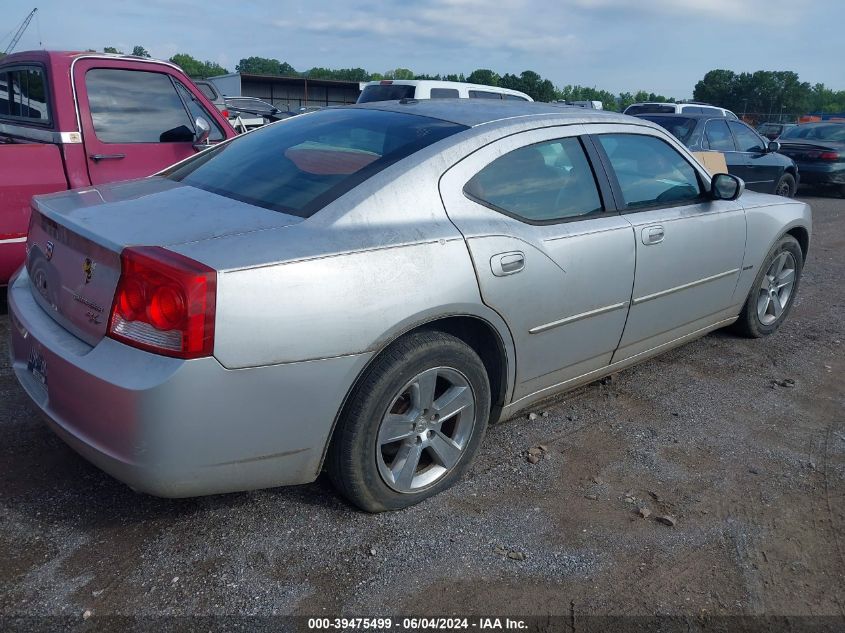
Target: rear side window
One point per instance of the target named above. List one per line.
(746, 139)
(691, 110)
(23, 95)
(650, 171)
(133, 106)
(207, 90)
(508, 97)
(712, 111)
(542, 183)
(444, 93)
(719, 136)
(386, 92)
(484, 94)
(299, 166)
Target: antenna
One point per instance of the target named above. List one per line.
(17, 36)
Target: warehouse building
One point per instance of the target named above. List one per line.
(288, 93)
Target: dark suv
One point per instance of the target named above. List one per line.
(748, 155)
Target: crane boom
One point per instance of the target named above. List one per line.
(17, 36)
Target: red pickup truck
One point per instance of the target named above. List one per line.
(71, 120)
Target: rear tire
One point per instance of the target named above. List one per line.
(412, 424)
(773, 292)
(786, 186)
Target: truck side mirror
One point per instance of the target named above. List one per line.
(203, 129)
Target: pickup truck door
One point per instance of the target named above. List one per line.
(136, 117)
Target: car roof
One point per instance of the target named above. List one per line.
(474, 112)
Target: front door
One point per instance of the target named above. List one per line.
(689, 247)
(761, 169)
(551, 254)
(137, 118)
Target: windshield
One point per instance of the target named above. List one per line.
(386, 92)
(681, 128)
(817, 131)
(300, 165)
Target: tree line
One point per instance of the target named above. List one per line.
(760, 92)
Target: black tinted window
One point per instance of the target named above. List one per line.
(508, 97)
(650, 171)
(649, 108)
(545, 182)
(484, 94)
(746, 139)
(719, 136)
(198, 110)
(386, 92)
(303, 164)
(131, 106)
(23, 95)
(444, 93)
(680, 127)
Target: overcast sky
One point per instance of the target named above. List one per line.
(663, 46)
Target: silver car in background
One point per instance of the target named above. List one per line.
(364, 289)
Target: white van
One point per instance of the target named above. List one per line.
(392, 89)
(692, 107)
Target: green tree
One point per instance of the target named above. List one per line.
(140, 51)
(196, 69)
(112, 49)
(265, 66)
(484, 76)
(399, 73)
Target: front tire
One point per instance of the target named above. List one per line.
(786, 186)
(412, 424)
(773, 293)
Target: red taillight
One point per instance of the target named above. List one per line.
(164, 303)
(225, 113)
(829, 156)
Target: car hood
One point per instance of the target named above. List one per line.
(155, 211)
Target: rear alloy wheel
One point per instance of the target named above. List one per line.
(412, 424)
(774, 290)
(786, 186)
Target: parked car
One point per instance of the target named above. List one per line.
(819, 150)
(693, 107)
(80, 119)
(748, 155)
(392, 89)
(213, 95)
(773, 130)
(364, 288)
(248, 113)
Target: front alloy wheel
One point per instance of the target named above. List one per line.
(776, 288)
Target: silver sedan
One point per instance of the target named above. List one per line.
(364, 289)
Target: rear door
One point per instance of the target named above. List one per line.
(137, 118)
(551, 254)
(689, 247)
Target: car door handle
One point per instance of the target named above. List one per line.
(507, 263)
(653, 235)
(99, 157)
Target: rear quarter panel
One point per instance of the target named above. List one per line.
(26, 169)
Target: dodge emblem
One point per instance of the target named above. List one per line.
(49, 253)
(88, 268)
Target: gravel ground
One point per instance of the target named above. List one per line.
(750, 466)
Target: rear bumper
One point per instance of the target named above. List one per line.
(176, 428)
(818, 173)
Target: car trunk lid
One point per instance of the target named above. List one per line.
(75, 240)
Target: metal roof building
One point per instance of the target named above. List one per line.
(288, 93)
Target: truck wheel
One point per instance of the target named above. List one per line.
(412, 425)
(774, 289)
(786, 186)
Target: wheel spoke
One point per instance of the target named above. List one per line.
(778, 308)
(779, 264)
(786, 277)
(445, 451)
(405, 464)
(394, 428)
(454, 400)
(763, 304)
(424, 390)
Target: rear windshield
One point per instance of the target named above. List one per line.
(386, 92)
(680, 127)
(817, 131)
(300, 165)
(649, 108)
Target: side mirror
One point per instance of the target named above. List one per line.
(203, 129)
(726, 187)
(774, 146)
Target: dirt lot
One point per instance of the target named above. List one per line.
(750, 465)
